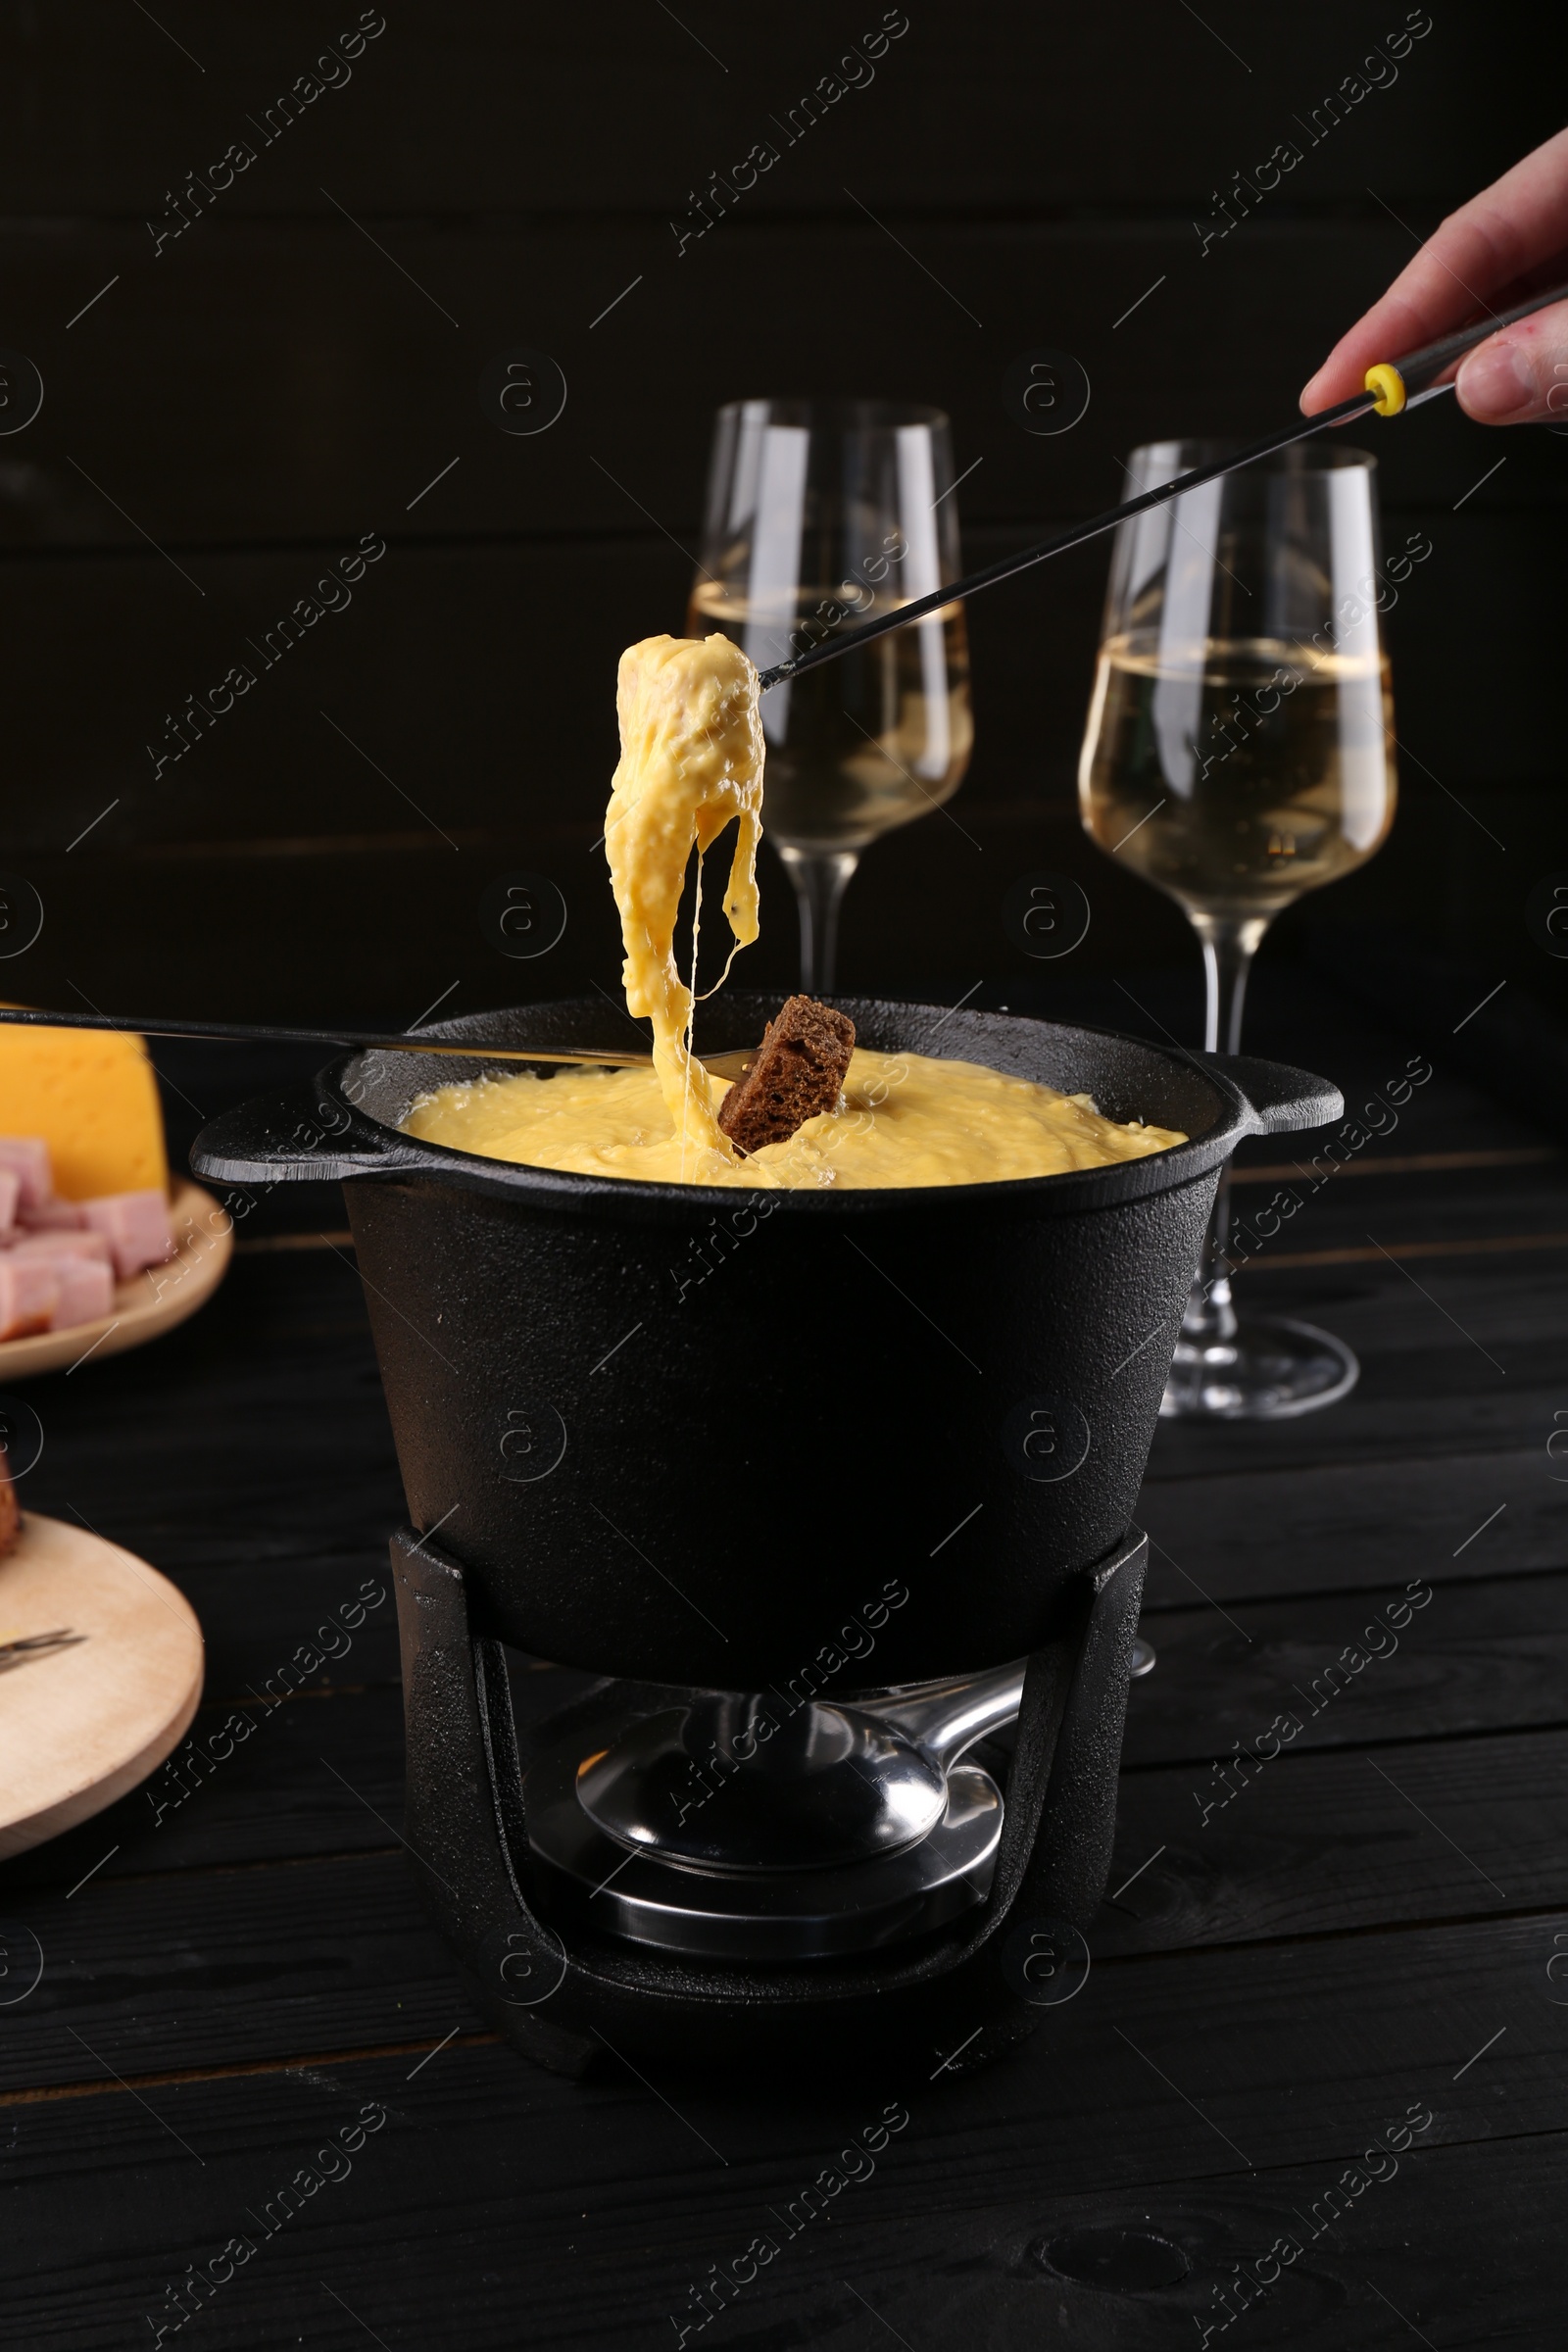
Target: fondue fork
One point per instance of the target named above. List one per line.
(732, 1064)
(36, 1646)
(1391, 386)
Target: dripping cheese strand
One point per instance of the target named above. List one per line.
(692, 1063)
(691, 761)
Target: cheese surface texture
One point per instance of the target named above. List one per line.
(93, 1097)
(691, 760)
(903, 1119)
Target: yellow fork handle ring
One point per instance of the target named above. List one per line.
(1389, 384)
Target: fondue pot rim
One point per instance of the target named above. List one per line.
(268, 1141)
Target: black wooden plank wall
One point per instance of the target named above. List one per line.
(250, 373)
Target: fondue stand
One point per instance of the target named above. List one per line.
(657, 1870)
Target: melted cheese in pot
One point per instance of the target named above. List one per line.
(691, 759)
(903, 1119)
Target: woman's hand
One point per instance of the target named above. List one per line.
(1505, 244)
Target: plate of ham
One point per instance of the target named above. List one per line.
(89, 1278)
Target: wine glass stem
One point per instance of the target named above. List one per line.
(820, 878)
(1229, 945)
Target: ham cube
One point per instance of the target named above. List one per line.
(63, 1245)
(29, 1293)
(27, 1156)
(51, 1216)
(10, 1194)
(86, 1290)
(135, 1226)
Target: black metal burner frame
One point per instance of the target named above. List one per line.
(566, 1995)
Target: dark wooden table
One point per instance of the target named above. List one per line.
(1364, 1949)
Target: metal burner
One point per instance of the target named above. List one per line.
(735, 1827)
(869, 1922)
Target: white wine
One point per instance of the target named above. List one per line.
(864, 742)
(1258, 771)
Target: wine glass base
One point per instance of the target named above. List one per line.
(1142, 1657)
(1267, 1371)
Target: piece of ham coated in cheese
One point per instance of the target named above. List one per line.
(30, 1295)
(691, 759)
(135, 1226)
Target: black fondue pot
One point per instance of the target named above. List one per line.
(697, 1435)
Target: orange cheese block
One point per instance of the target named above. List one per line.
(93, 1097)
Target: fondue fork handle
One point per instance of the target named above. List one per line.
(408, 1041)
(1392, 387)
(343, 1041)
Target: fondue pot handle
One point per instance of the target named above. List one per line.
(295, 1138)
(1281, 1100)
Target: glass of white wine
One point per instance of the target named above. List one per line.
(1239, 752)
(821, 514)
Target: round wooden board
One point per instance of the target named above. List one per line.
(80, 1726)
(147, 1306)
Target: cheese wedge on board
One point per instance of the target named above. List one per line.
(92, 1096)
